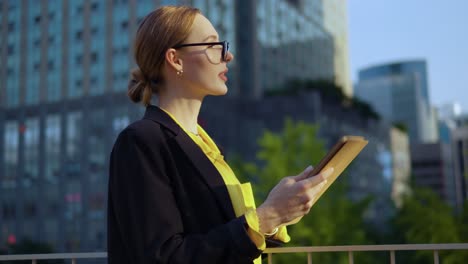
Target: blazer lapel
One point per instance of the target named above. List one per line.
(207, 170)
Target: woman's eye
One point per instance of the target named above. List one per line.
(215, 46)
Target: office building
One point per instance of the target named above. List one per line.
(287, 44)
(335, 21)
(460, 152)
(399, 92)
(401, 161)
(432, 168)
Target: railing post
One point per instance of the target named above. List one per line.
(309, 258)
(73, 261)
(392, 257)
(436, 257)
(33, 261)
(270, 260)
(350, 257)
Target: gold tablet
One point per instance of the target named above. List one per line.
(339, 157)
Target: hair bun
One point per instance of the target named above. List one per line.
(140, 88)
(136, 85)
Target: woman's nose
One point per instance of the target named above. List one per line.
(229, 57)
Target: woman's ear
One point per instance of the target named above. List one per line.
(173, 60)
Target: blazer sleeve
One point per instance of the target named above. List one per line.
(147, 218)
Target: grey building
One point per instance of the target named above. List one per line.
(460, 153)
(432, 168)
(401, 160)
(64, 73)
(399, 92)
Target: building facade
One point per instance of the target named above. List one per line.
(432, 165)
(63, 78)
(286, 36)
(399, 92)
(460, 153)
(401, 160)
(335, 21)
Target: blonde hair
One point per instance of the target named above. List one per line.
(159, 31)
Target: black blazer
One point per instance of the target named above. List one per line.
(167, 202)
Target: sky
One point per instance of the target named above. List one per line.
(382, 31)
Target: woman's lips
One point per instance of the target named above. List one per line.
(223, 76)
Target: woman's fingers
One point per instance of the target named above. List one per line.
(292, 198)
(312, 181)
(304, 175)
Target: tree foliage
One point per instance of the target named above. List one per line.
(426, 219)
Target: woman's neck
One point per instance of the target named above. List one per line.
(185, 110)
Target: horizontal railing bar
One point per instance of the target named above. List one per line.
(401, 247)
(87, 255)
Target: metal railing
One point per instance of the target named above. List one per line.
(435, 248)
(64, 256)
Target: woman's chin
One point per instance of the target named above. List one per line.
(220, 91)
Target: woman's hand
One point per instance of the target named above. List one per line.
(290, 199)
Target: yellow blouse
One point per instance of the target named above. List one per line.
(241, 194)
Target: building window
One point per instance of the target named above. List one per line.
(94, 57)
(11, 27)
(124, 25)
(97, 131)
(79, 59)
(31, 148)
(11, 141)
(93, 80)
(9, 211)
(11, 49)
(30, 210)
(37, 43)
(94, 6)
(73, 135)
(50, 65)
(52, 145)
(79, 35)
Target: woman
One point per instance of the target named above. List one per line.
(172, 196)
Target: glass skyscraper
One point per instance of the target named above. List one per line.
(63, 80)
(399, 92)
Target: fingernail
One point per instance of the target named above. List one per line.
(329, 171)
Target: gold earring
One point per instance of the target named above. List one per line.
(180, 72)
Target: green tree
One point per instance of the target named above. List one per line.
(334, 219)
(425, 219)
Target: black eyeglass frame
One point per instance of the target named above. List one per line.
(224, 51)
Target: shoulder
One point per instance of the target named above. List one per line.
(143, 133)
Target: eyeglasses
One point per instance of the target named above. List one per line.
(224, 44)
